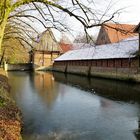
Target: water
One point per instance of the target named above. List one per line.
(67, 107)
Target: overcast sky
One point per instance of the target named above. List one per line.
(130, 14)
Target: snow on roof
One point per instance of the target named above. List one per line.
(123, 49)
(67, 47)
(131, 38)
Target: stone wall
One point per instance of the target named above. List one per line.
(132, 74)
(60, 68)
(21, 66)
(82, 70)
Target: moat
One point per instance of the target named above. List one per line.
(56, 106)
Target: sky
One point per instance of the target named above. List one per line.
(130, 14)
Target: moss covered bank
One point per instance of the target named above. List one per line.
(10, 115)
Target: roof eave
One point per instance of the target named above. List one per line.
(136, 30)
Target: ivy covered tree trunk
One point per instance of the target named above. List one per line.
(2, 27)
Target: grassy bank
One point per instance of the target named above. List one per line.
(10, 115)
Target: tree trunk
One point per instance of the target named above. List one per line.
(2, 27)
(2, 56)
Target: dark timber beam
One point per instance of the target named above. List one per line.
(137, 30)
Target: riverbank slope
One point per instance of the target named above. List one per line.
(10, 115)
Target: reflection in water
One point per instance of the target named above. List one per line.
(54, 108)
(112, 89)
(115, 90)
(137, 132)
(44, 85)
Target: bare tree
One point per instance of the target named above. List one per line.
(82, 11)
(15, 47)
(85, 38)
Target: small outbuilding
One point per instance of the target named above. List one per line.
(115, 60)
(46, 50)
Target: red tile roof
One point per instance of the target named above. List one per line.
(116, 32)
(65, 47)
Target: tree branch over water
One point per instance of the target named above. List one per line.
(20, 13)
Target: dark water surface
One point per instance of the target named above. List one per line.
(67, 107)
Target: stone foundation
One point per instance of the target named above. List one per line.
(132, 74)
(18, 67)
(60, 68)
(82, 70)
